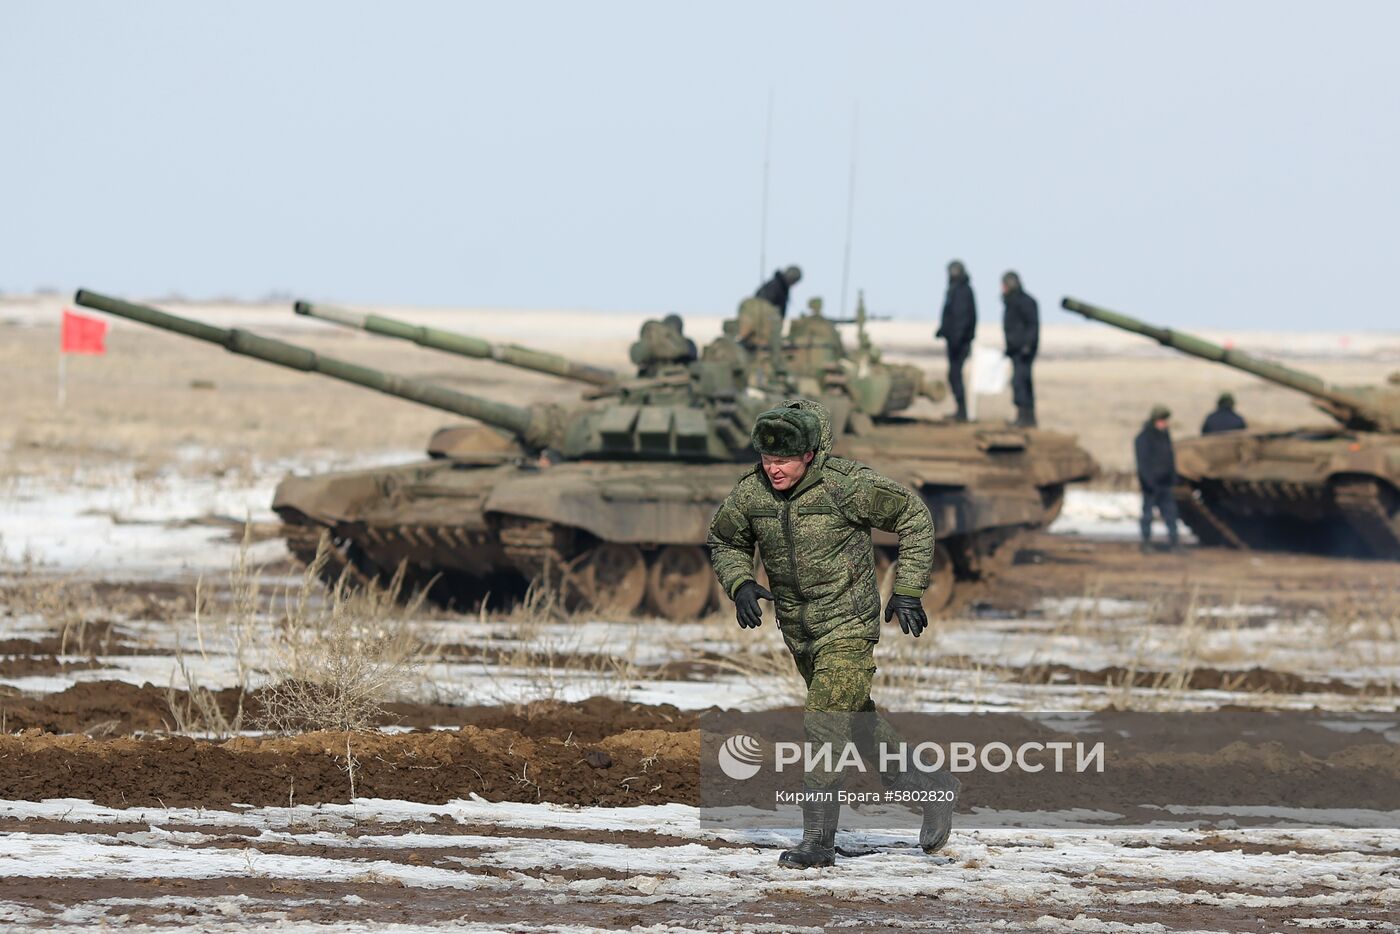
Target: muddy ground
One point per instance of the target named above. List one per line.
(631, 755)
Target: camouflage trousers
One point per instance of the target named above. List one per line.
(839, 709)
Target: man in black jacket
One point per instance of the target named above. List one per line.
(1156, 470)
(1021, 324)
(1224, 418)
(957, 327)
(775, 290)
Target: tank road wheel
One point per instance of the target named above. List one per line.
(1052, 500)
(616, 577)
(942, 582)
(679, 582)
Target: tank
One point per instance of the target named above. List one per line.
(610, 500)
(1328, 488)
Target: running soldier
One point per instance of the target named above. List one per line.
(810, 514)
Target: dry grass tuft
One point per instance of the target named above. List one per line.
(334, 662)
(72, 608)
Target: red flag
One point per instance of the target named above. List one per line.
(82, 334)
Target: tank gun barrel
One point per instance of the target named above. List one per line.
(462, 344)
(1343, 404)
(532, 425)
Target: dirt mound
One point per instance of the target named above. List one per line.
(652, 767)
(1144, 769)
(108, 707)
(588, 721)
(116, 708)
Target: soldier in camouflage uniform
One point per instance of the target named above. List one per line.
(810, 514)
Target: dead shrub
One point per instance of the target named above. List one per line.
(334, 662)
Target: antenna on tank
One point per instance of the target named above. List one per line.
(850, 208)
(763, 222)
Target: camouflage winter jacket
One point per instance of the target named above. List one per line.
(814, 541)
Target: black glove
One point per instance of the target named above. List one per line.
(746, 608)
(912, 618)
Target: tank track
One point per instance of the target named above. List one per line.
(1367, 506)
(304, 543)
(1203, 521)
(531, 545)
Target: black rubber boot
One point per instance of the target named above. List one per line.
(818, 846)
(938, 814)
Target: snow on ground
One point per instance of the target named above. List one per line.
(1057, 874)
(1103, 514)
(116, 522)
(969, 664)
(121, 528)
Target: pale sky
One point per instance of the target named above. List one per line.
(1223, 163)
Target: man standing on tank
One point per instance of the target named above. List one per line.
(777, 289)
(810, 513)
(676, 323)
(958, 327)
(1156, 470)
(1224, 418)
(1021, 324)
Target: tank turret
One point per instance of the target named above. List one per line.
(875, 388)
(462, 344)
(644, 421)
(1362, 408)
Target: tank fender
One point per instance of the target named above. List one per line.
(1375, 460)
(676, 511)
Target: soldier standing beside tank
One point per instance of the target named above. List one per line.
(1224, 418)
(810, 515)
(776, 290)
(1021, 324)
(958, 327)
(1156, 470)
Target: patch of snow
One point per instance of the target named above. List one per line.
(116, 523)
(1104, 514)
